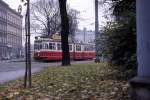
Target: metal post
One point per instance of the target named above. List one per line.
(29, 46)
(96, 27)
(26, 56)
(141, 83)
(84, 35)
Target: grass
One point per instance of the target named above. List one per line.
(77, 82)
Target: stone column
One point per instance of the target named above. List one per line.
(141, 84)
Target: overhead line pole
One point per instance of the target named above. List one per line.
(96, 26)
(26, 53)
(29, 44)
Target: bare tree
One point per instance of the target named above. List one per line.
(45, 16)
(73, 23)
(64, 33)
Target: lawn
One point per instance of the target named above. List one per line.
(77, 82)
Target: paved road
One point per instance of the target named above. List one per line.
(10, 70)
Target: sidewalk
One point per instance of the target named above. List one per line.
(14, 60)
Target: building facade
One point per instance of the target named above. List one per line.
(85, 36)
(10, 32)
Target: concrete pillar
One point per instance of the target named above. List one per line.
(141, 84)
(143, 37)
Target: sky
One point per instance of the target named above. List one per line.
(85, 7)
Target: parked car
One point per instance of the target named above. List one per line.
(5, 58)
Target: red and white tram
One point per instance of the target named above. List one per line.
(50, 49)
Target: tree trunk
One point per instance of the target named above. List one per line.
(48, 26)
(64, 33)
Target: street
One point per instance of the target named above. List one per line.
(10, 70)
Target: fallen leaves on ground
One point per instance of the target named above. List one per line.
(76, 82)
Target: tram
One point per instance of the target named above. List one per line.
(46, 49)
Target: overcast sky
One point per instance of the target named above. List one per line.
(86, 8)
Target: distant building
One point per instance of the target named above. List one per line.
(10, 32)
(85, 36)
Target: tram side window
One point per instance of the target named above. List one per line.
(70, 47)
(89, 48)
(78, 47)
(52, 46)
(35, 47)
(40, 46)
(46, 46)
(58, 46)
(92, 48)
(86, 48)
